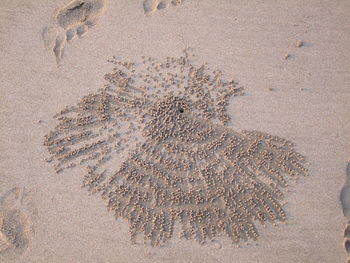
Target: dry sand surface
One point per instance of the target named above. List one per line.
(125, 139)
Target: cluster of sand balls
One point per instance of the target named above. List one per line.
(156, 147)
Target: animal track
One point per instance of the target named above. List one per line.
(73, 20)
(17, 212)
(165, 122)
(152, 5)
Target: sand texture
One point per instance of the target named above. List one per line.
(174, 131)
(177, 164)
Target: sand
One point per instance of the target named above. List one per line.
(53, 54)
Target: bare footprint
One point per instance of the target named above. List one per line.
(347, 245)
(345, 203)
(152, 5)
(345, 194)
(17, 212)
(71, 21)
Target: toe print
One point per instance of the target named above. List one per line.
(71, 35)
(82, 30)
(153, 5)
(71, 21)
(17, 212)
(59, 47)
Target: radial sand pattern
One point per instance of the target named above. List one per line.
(156, 147)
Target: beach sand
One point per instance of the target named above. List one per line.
(292, 58)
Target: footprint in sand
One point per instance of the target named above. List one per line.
(152, 5)
(17, 212)
(345, 203)
(347, 239)
(70, 22)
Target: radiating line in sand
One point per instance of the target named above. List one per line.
(70, 22)
(17, 213)
(157, 148)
